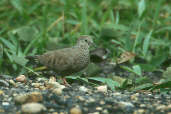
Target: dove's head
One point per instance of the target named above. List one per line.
(85, 41)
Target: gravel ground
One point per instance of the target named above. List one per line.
(46, 96)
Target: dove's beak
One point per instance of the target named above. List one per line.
(93, 45)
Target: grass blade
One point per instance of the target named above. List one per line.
(147, 43)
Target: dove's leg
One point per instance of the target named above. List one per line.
(65, 82)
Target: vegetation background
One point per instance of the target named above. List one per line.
(142, 27)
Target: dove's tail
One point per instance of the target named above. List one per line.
(32, 58)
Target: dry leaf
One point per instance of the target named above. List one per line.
(126, 56)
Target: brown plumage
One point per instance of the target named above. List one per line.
(67, 61)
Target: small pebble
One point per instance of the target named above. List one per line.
(102, 88)
(140, 111)
(50, 85)
(75, 110)
(57, 91)
(1, 92)
(105, 111)
(99, 108)
(4, 83)
(5, 103)
(160, 107)
(90, 100)
(84, 89)
(36, 85)
(102, 102)
(2, 111)
(80, 98)
(55, 113)
(128, 106)
(142, 105)
(21, 78)
(13, 83)
(135, 97)
(29, 97)
(33, 108)
(52, 79)
(42, 79)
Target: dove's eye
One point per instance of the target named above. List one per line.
(86, 40)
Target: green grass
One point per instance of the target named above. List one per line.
(31, 27)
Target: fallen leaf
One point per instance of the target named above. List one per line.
(126, 56)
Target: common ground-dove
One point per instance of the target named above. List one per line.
(67, 61)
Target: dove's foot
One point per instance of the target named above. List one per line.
(65, 82)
